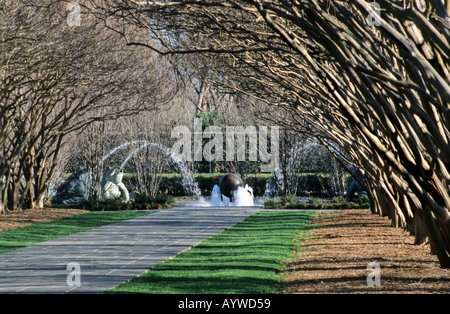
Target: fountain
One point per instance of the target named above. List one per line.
(229, 192)
(75, 189)
(275, 186)
(189, 182)
(243, 196)
(228, 184)
(113, 187)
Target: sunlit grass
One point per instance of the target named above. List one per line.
(245, 258)
(39, 232)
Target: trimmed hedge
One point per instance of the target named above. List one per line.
(313, 185)
(140, 202)
(172, 184)
(290, 202)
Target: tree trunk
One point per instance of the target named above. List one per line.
(420, 234)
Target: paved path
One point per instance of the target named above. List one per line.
(112, 254)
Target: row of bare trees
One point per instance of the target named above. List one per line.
(61, 70)
(371, 79)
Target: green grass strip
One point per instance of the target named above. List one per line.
(39, 232)
(245, 258)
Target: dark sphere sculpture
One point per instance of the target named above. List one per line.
(228, 184)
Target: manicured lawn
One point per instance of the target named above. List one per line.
(245, 258)
(40, 232)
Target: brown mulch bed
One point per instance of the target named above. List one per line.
(335, 258)
(19, 219)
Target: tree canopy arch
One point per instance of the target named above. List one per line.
(372, 77)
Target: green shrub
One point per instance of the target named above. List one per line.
(314, 203)
(164, 199)
(143, 201)
(139, 202)
(363, 198)
(289, 202)
(339, 199)
(101, 205)
(270, 203)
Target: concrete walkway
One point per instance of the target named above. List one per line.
(107, 256)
